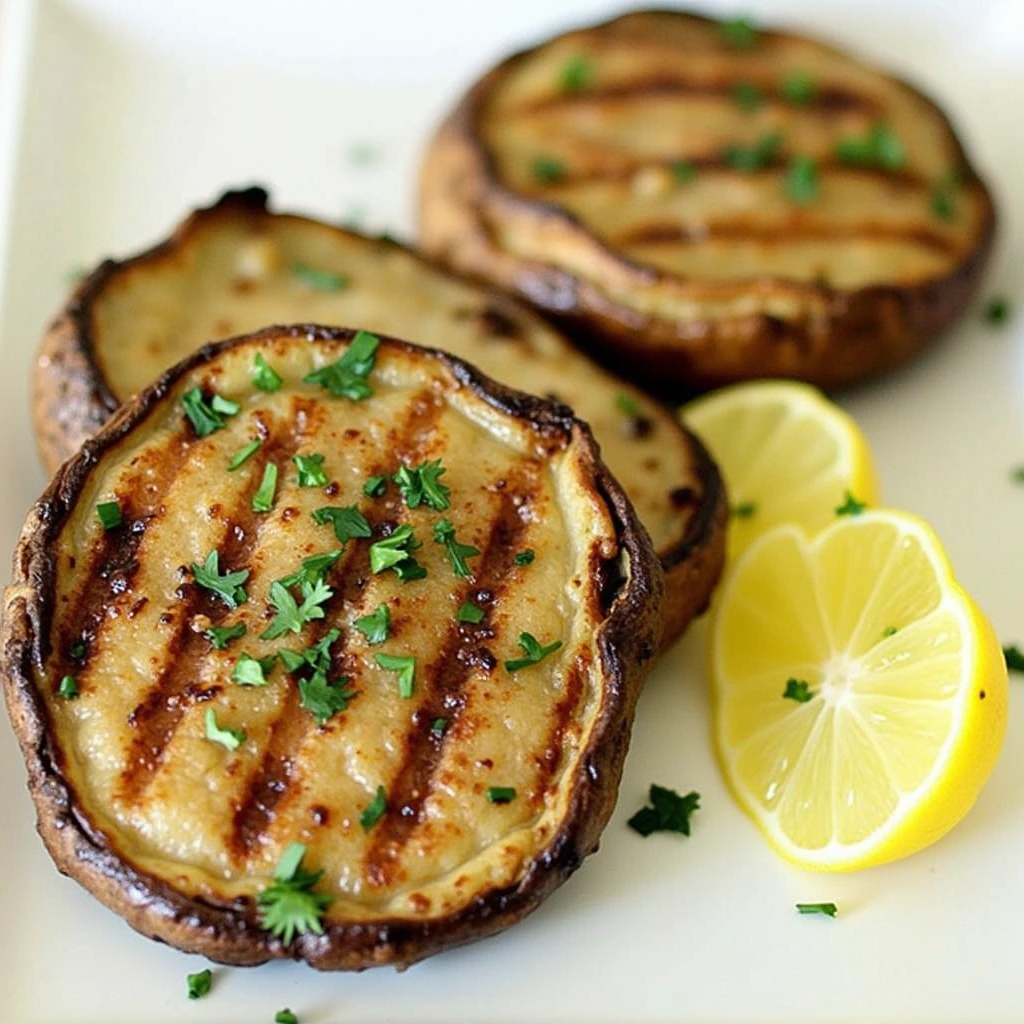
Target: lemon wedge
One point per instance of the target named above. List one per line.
(787, 454)
(860, 696)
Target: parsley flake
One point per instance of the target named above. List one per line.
(376, 625)
(244, 454)
(314, 569)
(109, 514)
(250, 671)
(738, 33)
(798, 87)
(324, 699)
(533, 650)
(311, 470)
(346, 377)
(221, 636)
(879, 148)
(525, 557)
(395, 552)
(627, 404)
(755, 157)
(444, 533)
(316, 657)
(376, 810)
(199, 984)
(207, 416)
(77, 651)
(547, 169)
(285, 1016)
(577, 73)
(1017, 474)
(375, 486)
(501, 794)
(850, 506)
(348, 522)
(68, 688)
(264, 376)
(404, 665)
(469, 612)
(743, 510)
(1014, 658)
(289, 906)
(263, 499)
(438, 727)
(823, 909)
(746, 95)
(888, 632)
(997, 311)
(292, 616)
(227, 587)
(421, 485)
(668, 812)
(684, 171)
(798, 690)
(944, 195)
(318, 278)
(230, 739)
(802, 180)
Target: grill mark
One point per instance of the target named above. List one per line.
(561, 717)
(680, 234)
(157, 716)
(270, 788)
(445, 679)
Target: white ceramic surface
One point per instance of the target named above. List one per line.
(116, 117)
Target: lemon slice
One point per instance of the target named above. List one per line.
(898, 690)
(788, 455)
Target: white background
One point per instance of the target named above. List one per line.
(117, 117)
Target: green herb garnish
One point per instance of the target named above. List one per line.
(825, 909)
(289, 907)
(577, 73)
(501, 794)
(207, 416)
(747, 95)
(227, 587)
(404, 665)
(311, 470)
(250, 671)
(263, 499)
(755, 157)
(77, 651)
(888, 632)
(317, 656)
(285, 1016)
(324, 699)
(850, 506)
(244, 454)
(548, 170)
(469, 612)
(231, 739)
(997, 311)
(1017, 474)
(314, 569)
(68, 688)
(109, 514)
(394, 552)
(684, 171)
(738, 33)
(346, 377)
(421, 485)
(628, 405)
(439, 726)
(944, 195)
(292, 616)
(444, 533)
(264, 376)
(878, 148)
(1014, 658)
(798, 87)
(802, 180)
(319, 279)
(798, 690)
(743, 510)
(376, 625)
(348, 522)
(199, 984)
(524, 557)
(533, 650)
(221, 636)
(375, 811)
(375, 486)
(668, 812)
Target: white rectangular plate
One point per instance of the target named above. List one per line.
(116, 117)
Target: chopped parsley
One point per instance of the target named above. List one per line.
(250, 671)
(755, 157)
(376, 625)
(850, 506)
(375, 486)
(824, 909)
(199, 984)
(348, 522)
(317, 656)
(227, 587)
(421, 485)
(997, 311)
(798, 690)
(244, 454)
(684, 171)
(207, 416)
(311, 470)
(667, 812)
(798, 87)
(375, 810)
(577, 73)
(346, 377)
(879, 148)
(109, 514)
(318, 278)
(289, 906)
(525, 557)
(747, 95)
(323, 698)
(533, 652)
(263, 499)
(285, 1016)
(547, 169)
(264, 376)
(439, 726)
(888, 632)
(314, 569)
(221, 636)
(68, 688)
(738, 33)
(501, 794)
(444, 533)
(230, 739)
(627, 404)
(469, 612)
(743, 510)
(77, 651)
(802, 180)
(292, 616)
(944, 195)
(404, 665)
(1017, 474)
(1014, 658)
(395, 552)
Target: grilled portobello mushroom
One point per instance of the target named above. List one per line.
(369, 710)
(702, 202)
(236, 267)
